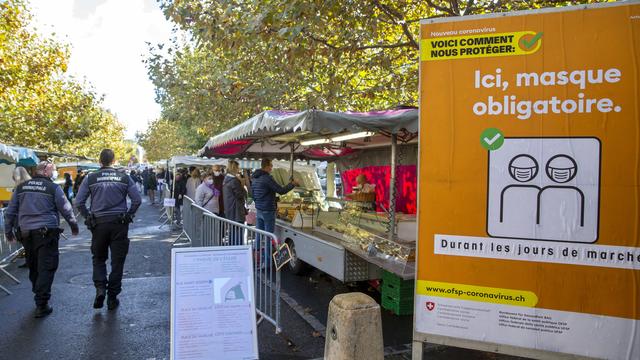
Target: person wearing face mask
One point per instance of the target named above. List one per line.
(218, 182)
(207, 196)
(33, 218)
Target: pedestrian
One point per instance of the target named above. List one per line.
(264, 189)
(20, 175)
(161, 178)
(145, 180)
(192, 183)
(152, 184)
(134, 177)
(235, 195)
(68, 186)
(76, 184)
(108, 219)
(207, 195)
(33, 217)
(218, 180)
(179, 190)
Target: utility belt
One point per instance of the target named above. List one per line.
(92, 221)
(43, 232)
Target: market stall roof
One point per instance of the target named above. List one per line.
(45, 154)
(26, 157)
(266, 132)
(196, 161)
(82, 165)
(7, 155)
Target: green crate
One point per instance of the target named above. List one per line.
(398, 307)
(397, 292)
(390, 278)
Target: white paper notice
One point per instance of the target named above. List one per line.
(212, 304)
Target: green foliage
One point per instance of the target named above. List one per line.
(40, 107)
(164, 139)
(246, 56)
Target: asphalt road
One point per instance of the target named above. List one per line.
(139, 328)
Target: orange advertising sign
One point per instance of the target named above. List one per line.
(529, 204)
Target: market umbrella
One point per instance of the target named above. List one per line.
(7, 156)
(26, 157)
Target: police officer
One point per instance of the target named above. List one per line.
(33, 218)
(108, 219)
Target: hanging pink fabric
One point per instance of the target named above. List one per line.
(407, 190)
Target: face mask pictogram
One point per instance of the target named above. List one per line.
(544, 189)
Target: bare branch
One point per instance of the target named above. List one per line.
(399, 20)
(355, 48)
(454, 6)
(469, 7)
(441, 8)
(495, 5)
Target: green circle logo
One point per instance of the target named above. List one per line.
(491, 139)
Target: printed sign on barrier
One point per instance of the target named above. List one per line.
(213, 314)
(169, 202)
(529, 188)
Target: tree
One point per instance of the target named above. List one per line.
(248, 56)
(39, 105)
(164, 139)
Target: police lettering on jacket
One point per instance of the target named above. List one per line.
(36, 204)
(108, 189)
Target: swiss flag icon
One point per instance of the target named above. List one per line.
(431, 305)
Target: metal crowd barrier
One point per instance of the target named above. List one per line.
(167, 212)
(203, 228)
(8, 251)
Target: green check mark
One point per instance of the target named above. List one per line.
(491, 139)
(531, 43)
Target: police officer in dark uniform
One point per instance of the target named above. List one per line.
(108, 219)
(33, 218)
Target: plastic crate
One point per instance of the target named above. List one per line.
(397, 306)
(395, 281)
(397, 292)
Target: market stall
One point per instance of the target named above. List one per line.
(28, 158)
(351, 237)
(74, 167)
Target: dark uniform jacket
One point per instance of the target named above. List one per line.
(36, 204)
(108, 189)
(264, 189)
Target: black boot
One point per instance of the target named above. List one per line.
(98, 303)
(42, 311)
(112, 302)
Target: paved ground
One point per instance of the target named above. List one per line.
(139, 329)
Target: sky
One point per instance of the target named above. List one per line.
(108, 43)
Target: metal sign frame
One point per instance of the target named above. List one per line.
(242, 250)
(419, 339)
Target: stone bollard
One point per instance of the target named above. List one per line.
(354, 328)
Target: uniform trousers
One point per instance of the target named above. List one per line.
(110, 236)
(41, 252)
